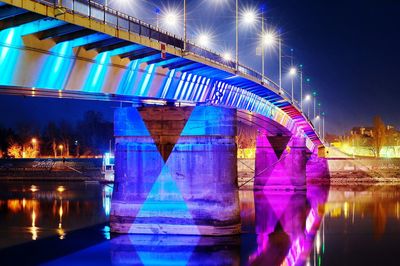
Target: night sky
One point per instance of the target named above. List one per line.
(349, 49)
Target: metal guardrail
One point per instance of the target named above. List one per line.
(122, 21)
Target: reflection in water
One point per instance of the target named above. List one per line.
(47, 209)
(279, 228)
(106, 198)
(33, 227)
(174, 250)
(286, 224)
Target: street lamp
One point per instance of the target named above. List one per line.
(292, 73)
(317, 120)
(184, 26)
(319, 115)
(301, 88)
(170, 18)
(204, 40)
(315, 101)
(61, 147)
(307, 99)
(323, 126)
(227, 56)
(269, 39)
(249, 18)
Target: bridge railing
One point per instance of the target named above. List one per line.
(100, 12)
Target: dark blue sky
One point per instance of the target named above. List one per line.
(349, 49)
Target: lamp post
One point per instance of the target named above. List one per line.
(307, 99)
(315, 100)
(323, 126)
(317, 120)
(319, 115)
(280, 63)
(184, 26)
(292, 72)
(301, 88)
(237, 36)
(262, 48)
(269, 38)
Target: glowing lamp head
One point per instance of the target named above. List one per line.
(293, 71)
(227, 56)
(204, 40)
(249, 17)
(34, 141)
(61, 147)
(307, 98)
(171, 19)
(269, 39)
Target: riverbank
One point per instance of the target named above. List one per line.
(71, 170)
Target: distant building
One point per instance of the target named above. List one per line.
(362, 134)
(362, 131)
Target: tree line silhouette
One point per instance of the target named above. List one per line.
(90, 136)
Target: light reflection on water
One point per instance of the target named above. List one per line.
(68, 224)
(32, 212)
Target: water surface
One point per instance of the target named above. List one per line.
(67, 224)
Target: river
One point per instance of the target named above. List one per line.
(66, 224)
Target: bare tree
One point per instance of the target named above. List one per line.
(379, 135)
(246, 136)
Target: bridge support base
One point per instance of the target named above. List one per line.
(175, 171)
(280, 163)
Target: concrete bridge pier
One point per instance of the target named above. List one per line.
(280, 162)
(175, 171)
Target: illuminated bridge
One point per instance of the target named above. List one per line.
(175, 148)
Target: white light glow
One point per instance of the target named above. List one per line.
(307, 98)
(269, 39)
(170, 19)
(249, 17)
(227, 56)
(204, 40)
(293, 71)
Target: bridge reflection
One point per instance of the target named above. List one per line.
(279, 228)
(175, 250)
(285, 223)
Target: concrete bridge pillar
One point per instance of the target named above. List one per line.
(280, 162)
(175, 171)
